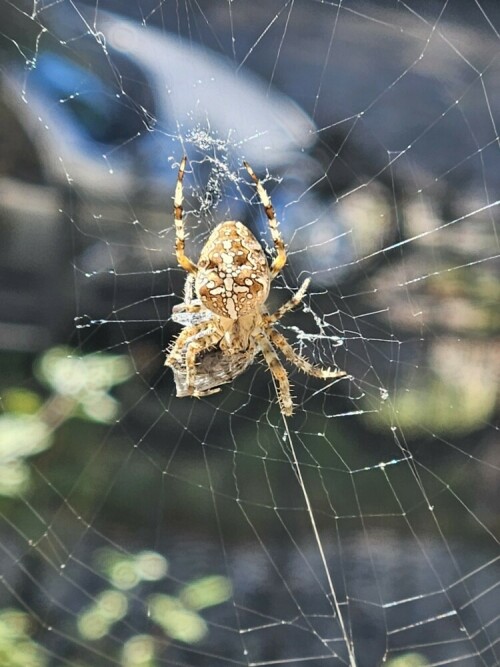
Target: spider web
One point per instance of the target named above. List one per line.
(156, 530)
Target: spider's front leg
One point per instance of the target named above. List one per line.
(191, 311)
(180, 237)
(280, 259)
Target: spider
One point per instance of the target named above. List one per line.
(229, 319)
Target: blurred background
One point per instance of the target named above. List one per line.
(140, 529)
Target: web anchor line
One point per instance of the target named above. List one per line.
(347, 640)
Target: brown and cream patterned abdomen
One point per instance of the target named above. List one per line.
(233, 274)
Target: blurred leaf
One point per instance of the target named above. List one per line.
(177, 621)
(125, 572)
(96, 621)
(20, 436)
(456, 395)
(69, 374)
(409, 660)
(150, 566)
(206, 592)
(92, 625)
(14, 478)
(16, 647)
(139, 651)
(21, 401)
(85, 379)
(112, 605)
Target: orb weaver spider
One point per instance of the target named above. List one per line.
(228, 323)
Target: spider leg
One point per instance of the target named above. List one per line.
(278, 372)
(189, 288)
(289, 305)
(304, 365)
(187, 308)
(175, 355)
(182, 357)
(280, 259)
(189, 305)
(194, 348)
(180, 236)
(206, 392)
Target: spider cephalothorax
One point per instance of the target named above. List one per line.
(227, 324)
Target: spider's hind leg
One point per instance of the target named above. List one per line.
(278, 372)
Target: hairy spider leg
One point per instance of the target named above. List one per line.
(188, 305)
(180, 237)
(288, 305)
(194, 348)
(303, 364)
(183, 339)
(278, 372)
(189, 288)
(187, 308)
(280, 259)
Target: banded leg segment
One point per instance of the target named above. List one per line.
(175, 354)
(180, 237)
(278, 373)
(181, 312)
(289, 305)
(280, 259)
(185, 314)
(303, 364)
(193, 350)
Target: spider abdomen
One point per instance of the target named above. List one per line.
(233, 276)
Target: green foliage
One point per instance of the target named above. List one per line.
(85, 381)
(80, 387)
(455, 395)
(175, 616)
(139, 651)
(17, 649)
(21, 436)
(409, 660)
